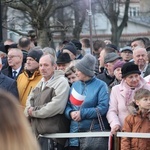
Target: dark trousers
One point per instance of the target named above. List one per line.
(49, 144)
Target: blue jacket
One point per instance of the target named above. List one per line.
(96, 96)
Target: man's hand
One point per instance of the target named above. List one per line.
(30, 111)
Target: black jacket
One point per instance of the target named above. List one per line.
(8, 84)
(8, 71)
(106, 77)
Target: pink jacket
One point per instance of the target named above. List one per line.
(121, 95)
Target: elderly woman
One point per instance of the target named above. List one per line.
(122, 95)
(117, 73)
(87, 96)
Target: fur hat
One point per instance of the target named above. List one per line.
(63, 58)
(87, 65)
(129, 68)
(118, 64)
(35, 54)
(71, 47)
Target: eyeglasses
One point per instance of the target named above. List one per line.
(12, 56)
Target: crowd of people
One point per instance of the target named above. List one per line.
(46, 91)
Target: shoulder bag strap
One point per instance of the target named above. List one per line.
(100, 120)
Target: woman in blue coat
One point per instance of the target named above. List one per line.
(87, 96)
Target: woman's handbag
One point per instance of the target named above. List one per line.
(95, 143)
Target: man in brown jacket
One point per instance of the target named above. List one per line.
(46, 103)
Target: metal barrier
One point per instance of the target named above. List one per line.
(98, 134)
(75, 135)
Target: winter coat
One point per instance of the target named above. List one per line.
(96, 96)
(106, 77)
(8, 85)
(121, 96)
(8, 71)
(49, 105)
(115, 82)
(26, 84)
(147, 71)
(139, 123)
(147, 78)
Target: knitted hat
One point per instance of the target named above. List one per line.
(63, 58)
(71, 47)
(129, 68)
(118, 64)
(35, 54)
(87, 65)
(110, 57)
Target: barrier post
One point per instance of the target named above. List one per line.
(117, 142)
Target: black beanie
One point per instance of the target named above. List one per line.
(129, 68)
(71, 47)
(77, 44)
(35, 54)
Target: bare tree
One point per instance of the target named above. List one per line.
(111, 9)
(80, 10)
(37, 13)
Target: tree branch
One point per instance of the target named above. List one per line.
(16, 31)
(125, 17)
(21, 5)
(58, 5)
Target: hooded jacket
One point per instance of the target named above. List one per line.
(49, 104)
(140, 123)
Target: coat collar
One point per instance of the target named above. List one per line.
(124, 88)
(57, 74)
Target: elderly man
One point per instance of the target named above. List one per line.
(140, 59)
(102, 55)
(47, 101)
(7, 83)
(108, 75)
(15, 63)
(31, 75)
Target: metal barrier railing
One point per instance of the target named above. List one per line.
(98, 134)
(75, 135)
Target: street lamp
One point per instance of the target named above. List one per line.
(90, 26)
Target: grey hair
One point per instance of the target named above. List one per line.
(49, 50)
(52, 58)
